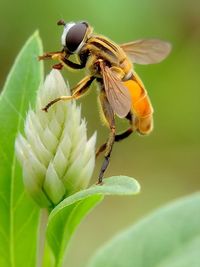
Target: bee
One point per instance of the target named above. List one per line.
(122, 92)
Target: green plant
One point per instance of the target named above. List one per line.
(37, 233)
(170, 237)
(57, 163)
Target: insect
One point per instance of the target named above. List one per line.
(121, 92)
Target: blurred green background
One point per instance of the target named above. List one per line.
(166, 163)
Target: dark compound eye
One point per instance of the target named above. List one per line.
(75, 36)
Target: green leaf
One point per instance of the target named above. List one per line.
(68, 214)
(18, 214)
(170, 237)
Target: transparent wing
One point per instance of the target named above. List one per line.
(148, 51)
(116, 92)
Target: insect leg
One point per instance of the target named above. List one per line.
(63, 59)
(109, 116)
(100, 149)
(51, 55)
(77, 91)
(121, 136)
(68, 63)
(129, 131)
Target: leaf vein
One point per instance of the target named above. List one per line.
(24, 225)
(20, 198)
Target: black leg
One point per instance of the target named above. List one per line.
(106, 161)
(109, 116)
(118, 137)
(63, 58)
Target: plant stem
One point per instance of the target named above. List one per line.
(41, 236)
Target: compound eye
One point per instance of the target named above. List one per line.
(75, 36)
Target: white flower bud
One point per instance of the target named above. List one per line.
(56, 158)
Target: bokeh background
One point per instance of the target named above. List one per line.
(166, 163)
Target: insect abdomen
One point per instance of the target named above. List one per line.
(141, 105)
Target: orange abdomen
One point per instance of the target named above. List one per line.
(141, 105)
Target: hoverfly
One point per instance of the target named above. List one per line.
(121, 93)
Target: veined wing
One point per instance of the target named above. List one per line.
(117, 93)
(147, 51)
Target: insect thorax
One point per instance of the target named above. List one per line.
(101, 48)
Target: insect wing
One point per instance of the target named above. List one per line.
(117, 94)
(148, 51)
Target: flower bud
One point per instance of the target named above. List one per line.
(56, 157)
